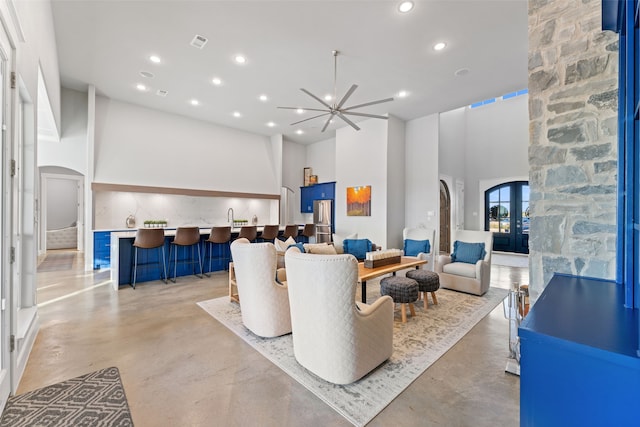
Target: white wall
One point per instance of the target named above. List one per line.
(497, 147)
(395, 171)
(321, 157)
(71, 151)
(62, 203)
(481, 144)
(293, 162)
(422, 186)
(361, 159)
(154, 148)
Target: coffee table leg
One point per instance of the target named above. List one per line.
(364, 291)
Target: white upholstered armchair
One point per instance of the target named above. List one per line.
(467, 277)
(420, 234)
(335, 337)
(264, 302)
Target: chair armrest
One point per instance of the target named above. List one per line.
(442, 260)
(370, 309)
(281, 276)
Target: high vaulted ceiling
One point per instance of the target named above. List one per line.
(288, 46)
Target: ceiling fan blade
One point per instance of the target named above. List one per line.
(349, 122)
(367, 104)
(375, 116)
(346, 96)
(316, 98)
(310, 118)
(327, 123)
(302, 108)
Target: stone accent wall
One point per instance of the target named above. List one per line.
(573, 103)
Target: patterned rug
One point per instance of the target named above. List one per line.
(96, 399)
(416, 345)
(57, 262)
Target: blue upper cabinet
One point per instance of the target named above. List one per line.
(324, 191)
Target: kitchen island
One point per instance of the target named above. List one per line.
(121, 247)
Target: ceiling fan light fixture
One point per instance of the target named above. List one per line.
(405, 6)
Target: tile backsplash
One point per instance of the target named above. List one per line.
(111, 209)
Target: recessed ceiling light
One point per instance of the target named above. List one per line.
(141, 87)
(328, 97)
(155, 59)
(216, 81)
(462, 72)
(146, 74)
(240, 59)
(405, 6)
(194, 102)
(237, 114)
(439, 46)
(402, 94)
(299, 111)
(299, 131)
(263, 98)
(271, 124)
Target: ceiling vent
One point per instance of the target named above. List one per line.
(146, 74)
(199, 41)
(162, 93)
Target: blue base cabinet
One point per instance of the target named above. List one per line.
(579, 362)
(101, 250)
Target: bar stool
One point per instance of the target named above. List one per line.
(218, 236)
(249, 232)
(269, 233)
(308, 231)
(148, 238)
(185, 237)
(290, 231)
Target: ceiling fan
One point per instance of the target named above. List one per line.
(338, 109)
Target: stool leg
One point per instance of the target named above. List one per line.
(135, 267)
(200, 263)
(403, 311)
(435, 300)
(425, 300)
(164, 266)
(204, 256)
(412, 309)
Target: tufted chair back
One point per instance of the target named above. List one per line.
(335, 337)
(264, 302)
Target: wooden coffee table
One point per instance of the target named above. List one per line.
(365, 274)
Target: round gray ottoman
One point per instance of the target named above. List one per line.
(428, 282)
(403, 291)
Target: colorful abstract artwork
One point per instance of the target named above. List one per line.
(359, 201)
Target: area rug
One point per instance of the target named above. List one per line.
(96, 399)
(416, 345)
(57, 262)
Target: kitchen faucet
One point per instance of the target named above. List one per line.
(230, 211)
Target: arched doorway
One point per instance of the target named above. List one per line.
(507, 215)
(445, 218)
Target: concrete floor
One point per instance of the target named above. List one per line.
(180, 367)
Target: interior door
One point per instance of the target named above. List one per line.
(507, 215)
(6, 224)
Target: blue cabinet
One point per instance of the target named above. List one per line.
(579, 362)
(324, 191)
(101, 249)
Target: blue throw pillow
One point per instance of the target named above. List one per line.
(299, 246)
(414, 247)
(467, 252)
(357, 247)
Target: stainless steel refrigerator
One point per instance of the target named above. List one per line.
(323, 219)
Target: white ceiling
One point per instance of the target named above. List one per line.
(288, 46)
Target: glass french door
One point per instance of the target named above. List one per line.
(507, 215)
